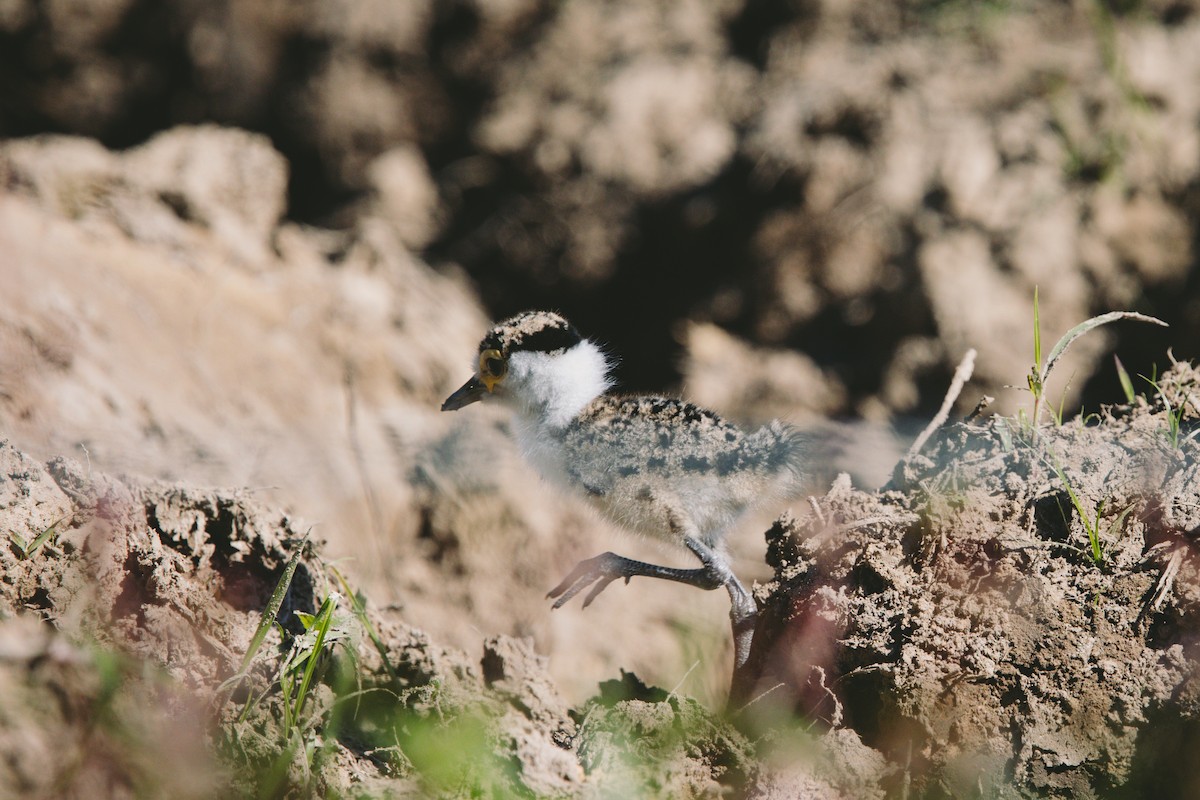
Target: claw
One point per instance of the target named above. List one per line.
(601, 570)
(599, 587)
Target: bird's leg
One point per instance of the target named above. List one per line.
(743, 611)
(715, 572)
(608, 567)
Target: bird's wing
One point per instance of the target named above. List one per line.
(657, 435)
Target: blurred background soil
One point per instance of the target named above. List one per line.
(254, 243)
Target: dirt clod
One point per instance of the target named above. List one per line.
(961, 623)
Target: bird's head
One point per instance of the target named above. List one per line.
(538, 363)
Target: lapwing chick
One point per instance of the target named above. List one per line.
(655, 465)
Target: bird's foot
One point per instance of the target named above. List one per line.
(601, 571)
(608, 567)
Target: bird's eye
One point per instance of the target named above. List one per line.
(492, 363)
(492, 368)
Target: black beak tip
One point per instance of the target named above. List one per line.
(470, 392)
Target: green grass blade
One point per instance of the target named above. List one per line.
(1086, 326)
(1174, 415)
(1058, 413)
(1126, 383)
(360, 611)
(1120, 520)
(1037, 334)
(29, 548)
(268, 615)
(42, 538)
(321, 625)
(1093, 533)
(274, 604)
(286, 680)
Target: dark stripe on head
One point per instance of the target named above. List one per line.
(547, 340)
(533, 331)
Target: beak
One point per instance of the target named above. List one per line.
(468, 393)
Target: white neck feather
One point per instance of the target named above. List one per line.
(554, 388)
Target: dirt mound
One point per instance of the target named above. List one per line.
(965, 623)
(176, 579)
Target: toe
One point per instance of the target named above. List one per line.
(601, 583)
